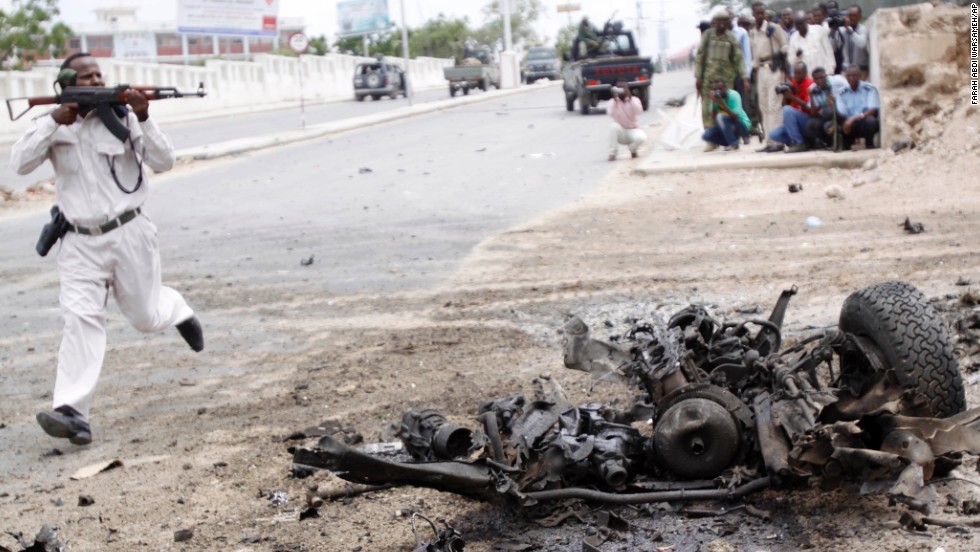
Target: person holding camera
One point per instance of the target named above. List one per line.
(856, 41)
(769, 47)
(110, 244)
(731, 121)
(796, 108)
(625, 109)
(719, 56)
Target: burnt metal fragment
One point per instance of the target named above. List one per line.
(726, 410)
(428, 436)
(912, 227)
(446, 539)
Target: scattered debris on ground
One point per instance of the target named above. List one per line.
(912, 227)
(725, 411)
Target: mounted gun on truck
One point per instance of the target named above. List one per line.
(476, 70)
(595, 66)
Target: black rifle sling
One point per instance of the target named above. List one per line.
(112, 169)
(110, 117)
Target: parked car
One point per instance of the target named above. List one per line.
(378, 78)
(541, 62)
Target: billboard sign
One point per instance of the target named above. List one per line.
(359, 17)
(134, 45)
(228, 17)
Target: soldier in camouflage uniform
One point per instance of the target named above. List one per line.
(719, 57)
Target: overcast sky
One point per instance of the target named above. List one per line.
(320, 16)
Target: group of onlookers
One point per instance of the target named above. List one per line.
(797, 81)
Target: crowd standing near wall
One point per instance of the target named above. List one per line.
(267, 80)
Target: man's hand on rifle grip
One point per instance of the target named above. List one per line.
(65, 114)
(139, 103)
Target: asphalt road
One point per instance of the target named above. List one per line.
(203, 132)
(391, 207)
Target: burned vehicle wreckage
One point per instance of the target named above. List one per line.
(724, 412)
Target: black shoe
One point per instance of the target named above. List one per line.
(192, 333)
(65, 424)
(797, 148)
(771, 148)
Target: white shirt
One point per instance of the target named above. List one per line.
(816, 47)
(81, 154)
(856, 46)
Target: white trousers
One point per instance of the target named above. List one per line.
(127, 261)
(632, 137)
(770, 103)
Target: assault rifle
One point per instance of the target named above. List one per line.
(103, 99)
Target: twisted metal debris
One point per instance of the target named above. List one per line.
(723, 412)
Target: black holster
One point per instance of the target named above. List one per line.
(52, 232)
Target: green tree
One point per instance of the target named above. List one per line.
(388, 43)
(523, 15)
(440, 37)
(29, 30)
(563, 43)
(319, 45)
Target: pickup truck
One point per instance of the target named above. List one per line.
(590, 75)
(477, 70)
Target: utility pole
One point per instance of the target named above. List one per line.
(663, 39)
(505, 7)
(509, 70)
(408, 82)
(639, 23)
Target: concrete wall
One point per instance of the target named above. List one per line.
(268, 80)
(918, 62)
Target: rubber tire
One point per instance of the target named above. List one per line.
(645, 98)
(483, 85)
(376, 97)
(393, 94)
(359, 98)
(569, 103)
(913, 340)
(466, 90)
(584, 102)
(452, 92)
(374, 80)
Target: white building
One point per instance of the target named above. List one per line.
(118, 33)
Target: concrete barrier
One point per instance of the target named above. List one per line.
(267, 80)
(918, 57)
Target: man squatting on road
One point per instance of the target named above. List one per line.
(110, 243)
(625, 129)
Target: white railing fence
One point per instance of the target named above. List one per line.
(266, 80)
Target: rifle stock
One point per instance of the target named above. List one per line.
(93, 96)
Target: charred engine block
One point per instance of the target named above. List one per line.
(428, 436)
